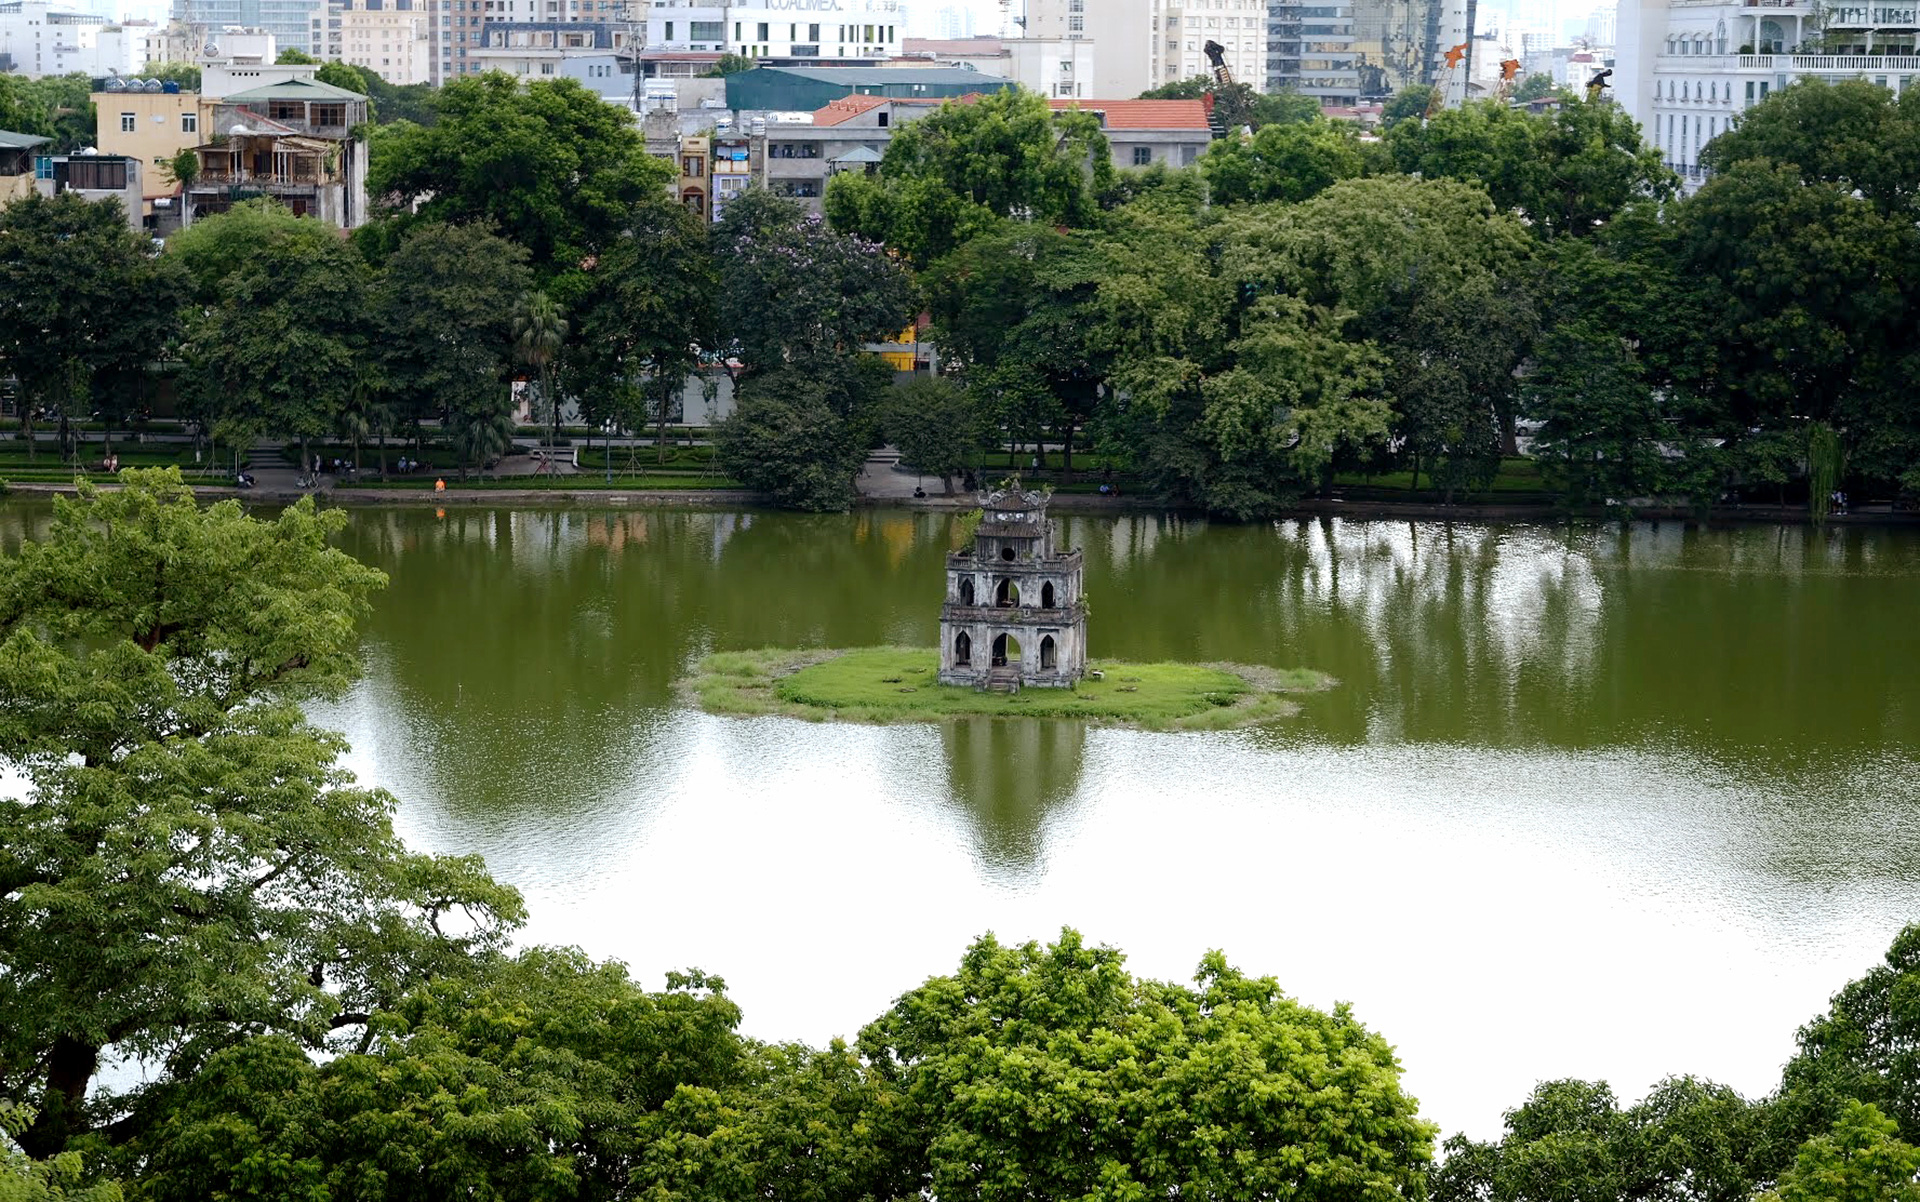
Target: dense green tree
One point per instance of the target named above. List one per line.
(85, 308)
(186, 864)
(294, 56)
(544, 1078)
(1862, 1159)
(1433, 276)
(1851, 133)
(1053, 1073)
(1408, 104)
(444, 308)
(1539, 86)
(729, 64)
(214, 248)
(550, 165)
(280, 351)
(790, 437)
(953, 174)
(796, 294)
(57, 107)
(935, 423)
(1688, 1141)
(1018, 311)
(1600, 424)
(1865, 1048)
(1238, 105)
(1564, 172)
(645, 316)
(1802, 290)
(1286, 162)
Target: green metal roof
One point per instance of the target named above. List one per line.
(803, 89)
(13, 141)
(294, 89)
(868, 77)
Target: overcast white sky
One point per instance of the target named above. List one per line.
(920, 15)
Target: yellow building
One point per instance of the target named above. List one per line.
(152, 127)
(695, 187)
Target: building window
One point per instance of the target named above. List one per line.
(189, 123)
(691, 165)
(127, 123)
(1142, 156)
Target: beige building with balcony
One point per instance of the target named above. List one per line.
(293, 141)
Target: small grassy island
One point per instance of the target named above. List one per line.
(900, 684)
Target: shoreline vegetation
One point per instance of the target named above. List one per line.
(886, 685)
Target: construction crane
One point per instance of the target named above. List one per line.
(1222, 78)
(1217, 55)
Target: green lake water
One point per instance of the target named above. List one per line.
(1609, 804)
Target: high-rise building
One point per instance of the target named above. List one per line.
(38, 38)
(1686, 70)
(855, 30)
(391, 38)
(1126, 32)
(1185, 28)
(1310, 50)
(289, 21)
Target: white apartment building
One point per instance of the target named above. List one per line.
(392, 38)
(780, 29)
(1147, 43)
(1684, 69)
(1186, 26)
(1123, 29)
(457, 27)
(36, 39)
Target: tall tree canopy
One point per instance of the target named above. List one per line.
(187, 865)
(1564, 172)
(949, 176)
(84, 307)
(1053, 1073)
(645, 316)
(547, 164)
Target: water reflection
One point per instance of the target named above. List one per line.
(1607, 802)
(1006, 778)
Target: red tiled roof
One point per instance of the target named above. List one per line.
(1142, 114)
(846, 108)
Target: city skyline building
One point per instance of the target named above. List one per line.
(289, 21)
(835, 30)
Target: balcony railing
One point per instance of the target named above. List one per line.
(1829, 62)
(249, 179)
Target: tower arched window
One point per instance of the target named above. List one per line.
(963, 650)
(1046, 595)
(966, 592)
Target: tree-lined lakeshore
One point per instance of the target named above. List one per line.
(190, 877)
(1301, 310)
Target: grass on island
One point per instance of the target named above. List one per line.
(899, 684)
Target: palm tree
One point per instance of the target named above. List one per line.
(538, 333)
(482, 435)
(364, 414)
